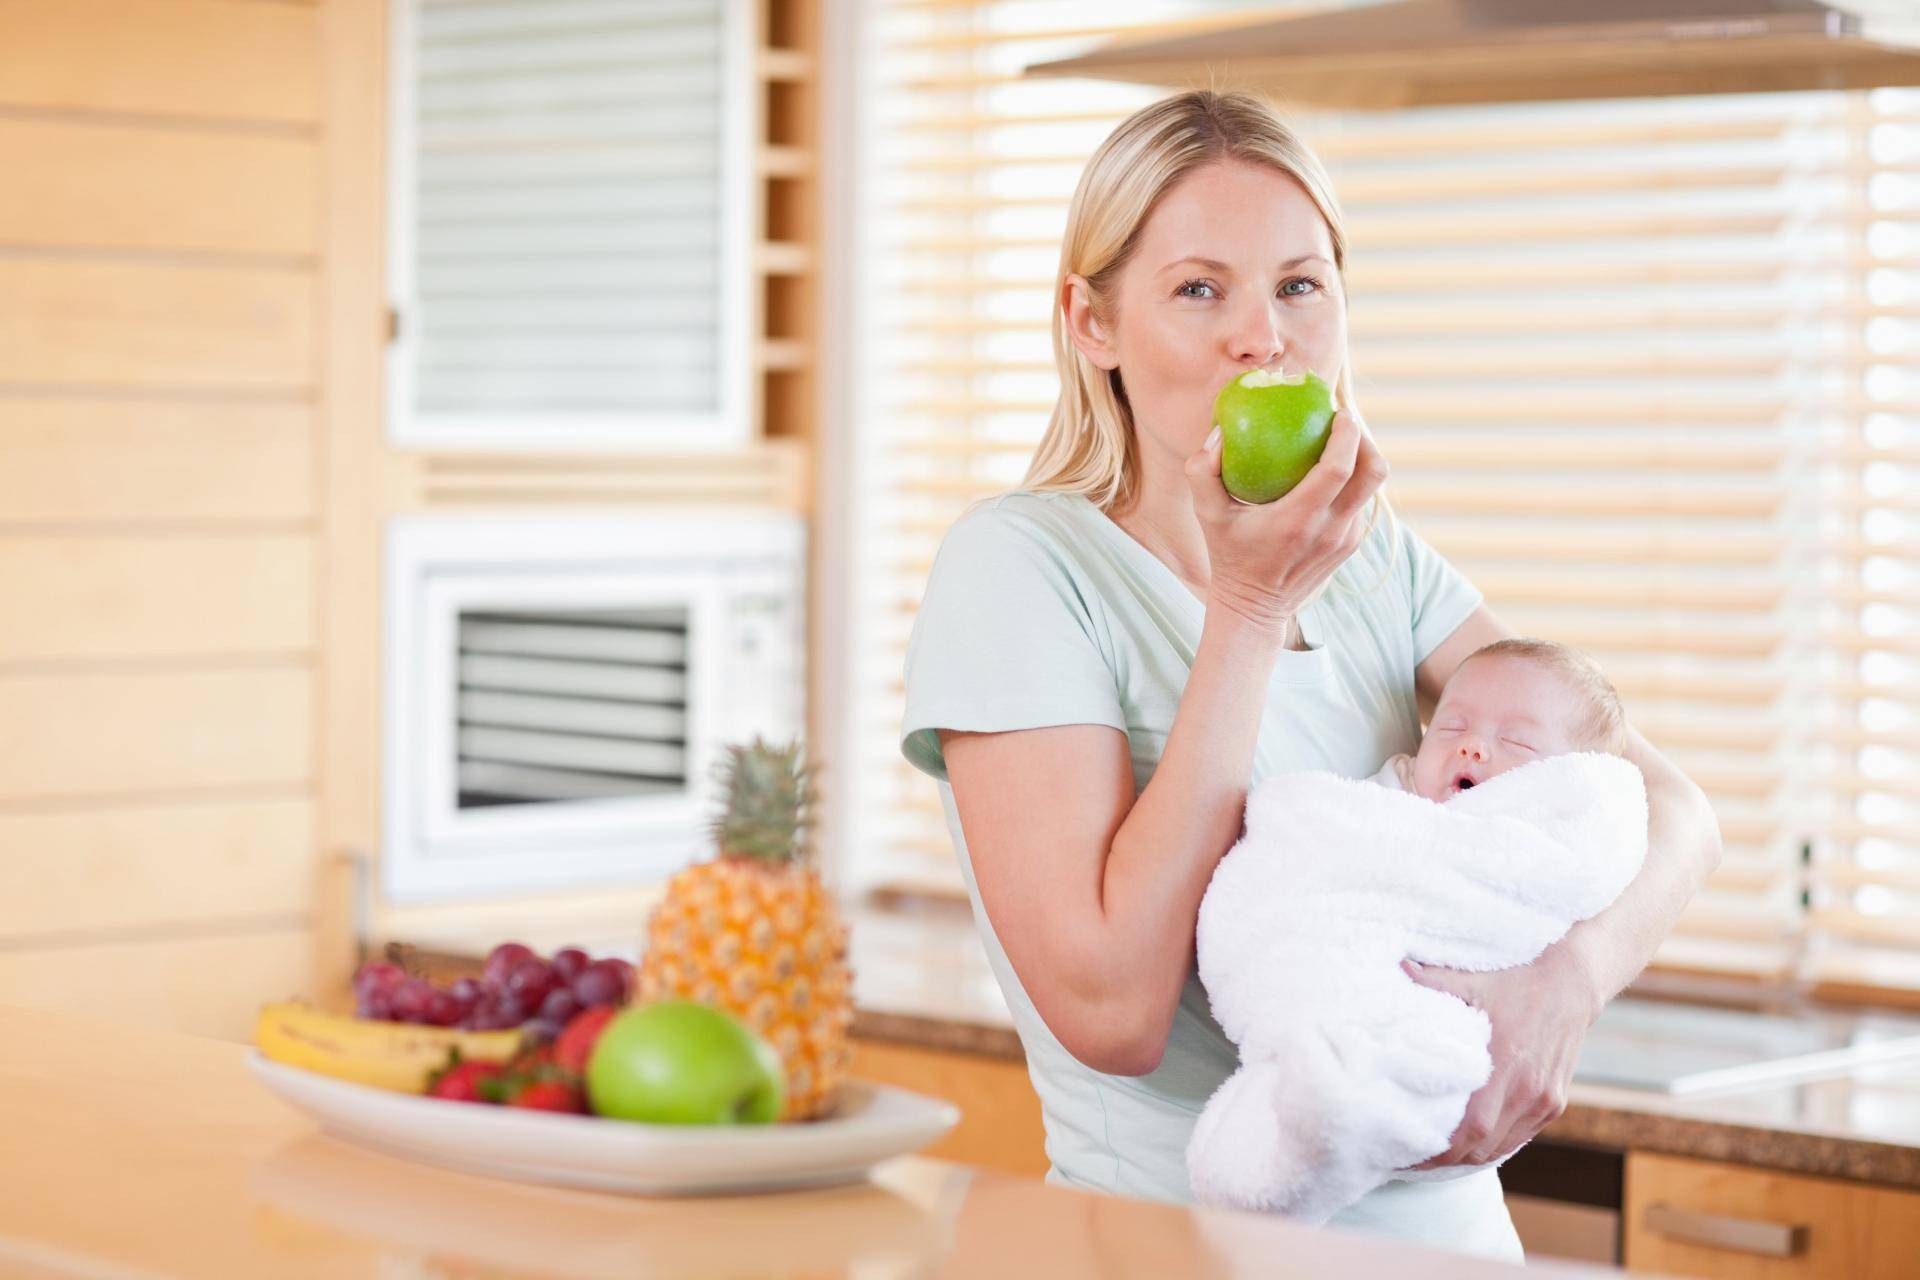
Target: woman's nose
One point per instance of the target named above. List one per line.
(1257, 342)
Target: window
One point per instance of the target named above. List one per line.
(570, 224)
(1645, 370)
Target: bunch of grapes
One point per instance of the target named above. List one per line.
(515, 989)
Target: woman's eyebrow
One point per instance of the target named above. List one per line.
(1214, 264)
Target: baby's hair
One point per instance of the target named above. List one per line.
(1606, 724)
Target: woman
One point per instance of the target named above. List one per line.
(1105, 660)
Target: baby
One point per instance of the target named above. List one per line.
(1509, 703)
(1517, 817)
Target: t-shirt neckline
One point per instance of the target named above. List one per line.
(1303, 662)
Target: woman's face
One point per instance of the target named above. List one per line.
(1234, 271)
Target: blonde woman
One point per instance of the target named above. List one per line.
(1106, 659)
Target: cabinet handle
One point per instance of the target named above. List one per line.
(1769, 1239)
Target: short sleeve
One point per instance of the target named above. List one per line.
(1442, 596)
(1005, 638)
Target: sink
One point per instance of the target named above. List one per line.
(1682, 1049)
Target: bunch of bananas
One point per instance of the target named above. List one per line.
(400, 1056)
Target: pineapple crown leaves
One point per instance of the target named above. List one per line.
(767, 794)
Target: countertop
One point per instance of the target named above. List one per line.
(155, 1154)
(921, 977)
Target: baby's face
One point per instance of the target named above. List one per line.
(1496, 713)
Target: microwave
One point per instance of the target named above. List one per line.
(558, 691)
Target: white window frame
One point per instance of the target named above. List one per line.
(730, 426)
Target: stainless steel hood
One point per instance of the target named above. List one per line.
(1411, 53)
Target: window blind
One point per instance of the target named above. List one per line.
(570, 247)
(1644, 369)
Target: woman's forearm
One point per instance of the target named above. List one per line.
(1163, 855)
(1683, 847)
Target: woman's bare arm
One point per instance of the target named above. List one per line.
(1093, 893)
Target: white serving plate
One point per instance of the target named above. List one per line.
(872, 1122)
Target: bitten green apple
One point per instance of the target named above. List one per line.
(1273, 428)
(682, 1062)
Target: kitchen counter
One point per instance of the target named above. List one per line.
(921, 978)
(155, 1154)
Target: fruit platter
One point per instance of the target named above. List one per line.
(719, 1063)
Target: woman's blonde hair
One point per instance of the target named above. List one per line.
(1090, 447)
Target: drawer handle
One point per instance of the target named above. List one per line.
(1769, 1239)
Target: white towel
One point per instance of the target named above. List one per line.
(1350, 1070)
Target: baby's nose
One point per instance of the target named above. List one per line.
(1473, 749)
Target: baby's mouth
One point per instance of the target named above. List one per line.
(1462, 782)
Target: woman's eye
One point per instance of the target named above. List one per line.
(1185, 285)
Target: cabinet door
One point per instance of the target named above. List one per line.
(1698, 1218)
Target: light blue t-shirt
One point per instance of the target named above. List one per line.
(1040, 610)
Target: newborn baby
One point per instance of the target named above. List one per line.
(1509, 703)
(1514, 820)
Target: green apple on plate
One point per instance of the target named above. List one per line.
(682, 1062)
(1273, 428)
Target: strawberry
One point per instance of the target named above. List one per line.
(464, 1081)
(575, 1044)
(549, 1095)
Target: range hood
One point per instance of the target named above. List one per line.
(1413, 53)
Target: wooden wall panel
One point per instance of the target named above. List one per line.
(106, 734)
(154, 865)
(155, 325)
(160, 285)
(110, 184)
(208, 986)
(153, 595)
(220, 59)
(74, 460)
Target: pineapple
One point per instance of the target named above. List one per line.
(755, 932)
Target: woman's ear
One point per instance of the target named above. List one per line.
(1086, 333)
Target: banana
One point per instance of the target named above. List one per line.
(386, 1055)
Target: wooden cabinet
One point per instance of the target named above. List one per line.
(999, 1112)
(1698, 1218)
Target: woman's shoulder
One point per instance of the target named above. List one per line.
(1019, 523)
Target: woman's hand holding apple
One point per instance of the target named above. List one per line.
(1266, 560)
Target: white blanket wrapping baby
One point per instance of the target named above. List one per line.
(1350, 1070)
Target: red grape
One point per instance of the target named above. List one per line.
(442, 1009)
(378, 976)
(410, 1000)
(559, 1005)
(508, 1008)
(500, 963)
(531, 979)
(543, 1030)
(569, 961)
(599, 983)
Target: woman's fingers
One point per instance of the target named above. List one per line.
(1203, 477)
(1369, 473)
(1460, 985)
(1318, 488)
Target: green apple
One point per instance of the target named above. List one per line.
(1273, 428)
(682, 1062)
